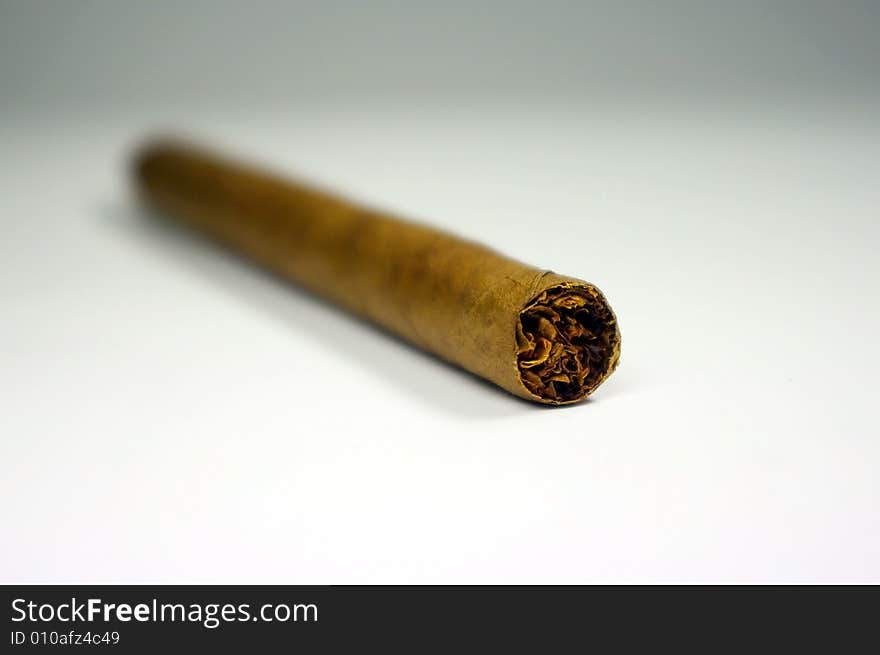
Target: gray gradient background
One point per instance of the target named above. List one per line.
(167, 413)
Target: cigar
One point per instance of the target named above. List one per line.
(544, 337)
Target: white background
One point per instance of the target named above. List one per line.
(170, 414)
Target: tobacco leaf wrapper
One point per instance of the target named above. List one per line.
(541, 336)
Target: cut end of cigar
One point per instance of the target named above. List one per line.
(568, 343)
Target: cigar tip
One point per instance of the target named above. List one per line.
(568, 343)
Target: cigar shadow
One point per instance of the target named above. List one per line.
(446, 387)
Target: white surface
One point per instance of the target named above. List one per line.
(170, 414)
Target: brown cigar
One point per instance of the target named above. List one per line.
(542, 336)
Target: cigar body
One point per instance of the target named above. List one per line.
(514, 324)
